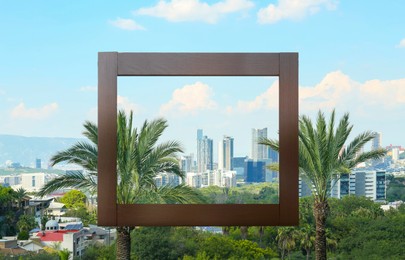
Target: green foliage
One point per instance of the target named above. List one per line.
(98, 252)
(352, 205)
(8, 224)
(44, 219)
(396, 189)
(184, 241)
(151, 243)
(263, 193)
(31, 256)
(64, 254)
(87, 217)
(26, 223)
(23, 235)
(374, 238)
(7, 196)
(74, 199)
(221, 247)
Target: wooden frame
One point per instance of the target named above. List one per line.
(113, 64)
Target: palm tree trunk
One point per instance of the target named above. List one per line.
(244, 232)
(321, 209)
(225, 230)
(261, 233)
(123, 243)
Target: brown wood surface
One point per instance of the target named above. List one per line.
(288, 122)
(198, 64)
(284, 65)
(198, 215)
(107, 141)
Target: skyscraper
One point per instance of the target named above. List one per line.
(376, 142)
(259, 151)
(204, 152)
(38, 163)
(225, 153)
(186, 163)
(255, 171)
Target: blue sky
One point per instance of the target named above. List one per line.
(351, 55)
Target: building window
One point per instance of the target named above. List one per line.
(33, 181)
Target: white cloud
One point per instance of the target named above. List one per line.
(266, 100)
(123, 103)
(189, 99)
(194, 10)
(22, 112)
(401, 43)
(88, 88)
(126, 24)
(293, 9)
(336, 90)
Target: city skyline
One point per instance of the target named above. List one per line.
(351, 62)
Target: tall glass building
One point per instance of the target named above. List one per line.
(204, 152)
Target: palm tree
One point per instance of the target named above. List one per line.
(139, 160)
(306, 238)
(323, 156)
(286, 237)
(19, 195)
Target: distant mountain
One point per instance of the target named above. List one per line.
(26, 149)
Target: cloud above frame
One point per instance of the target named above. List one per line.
(335, 90)
(126, 24)
(194, 10)
(123, 103)
(188, 100)
(22, 112)
(401, 43)
(293, 10)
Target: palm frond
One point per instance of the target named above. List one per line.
(273, 144)
(82, 153)
(73, 179)
(371, 155)
(91, 132)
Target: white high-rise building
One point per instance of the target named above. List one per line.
(204, 152)
(225, 153)
(259, 151)
(211, 178)
(33, 181)
(186, 163)
(395, 154)
(377, 141)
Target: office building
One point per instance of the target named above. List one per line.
(225, 154)
(33, 181)
(370, 184)
(376, 143)
(204, 152)
(38, 163)
(211, 178)
(187, 163)
(255, 171)
(238, 165)
(168, 179)
(304, 189)
(259, 151)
